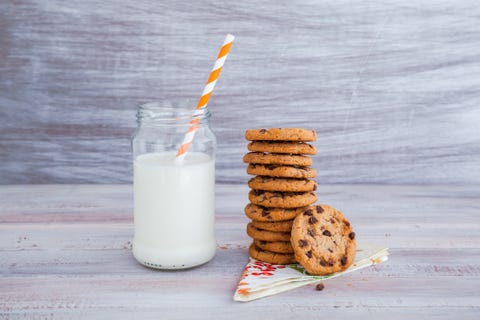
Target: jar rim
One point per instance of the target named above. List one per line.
(165, 113)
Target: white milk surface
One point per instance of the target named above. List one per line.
(174, 210)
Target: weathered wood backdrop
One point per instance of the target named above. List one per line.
(391, 87)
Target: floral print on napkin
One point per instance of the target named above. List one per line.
(260, 279)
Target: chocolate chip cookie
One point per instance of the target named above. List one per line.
(282, 184)
(323, 240)
(281, 134)
(274, 246)
(281, 199)
(269, 256)
(277, 226)
(259, 213)
(282, 147)
(273, 170)
(266, 235)
(277, 158)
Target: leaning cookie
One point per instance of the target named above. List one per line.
(323, 240)
(281, 134)
(276, 158)
(282, 147)
(281, 199)
(273, 170)
(260, 213)
(282, 184)
(269, 256)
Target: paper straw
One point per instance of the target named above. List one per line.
(207, 92)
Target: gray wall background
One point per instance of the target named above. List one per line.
(392, 87)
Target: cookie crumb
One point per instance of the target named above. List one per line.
(320, 286)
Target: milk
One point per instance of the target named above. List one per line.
(174, 210)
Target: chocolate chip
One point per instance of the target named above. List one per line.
(302, 243)
(308, 254)
(332, 220)
(265, 213)
(310, 233)
(327, 233)
(312, 220)
(347, 223)
(323, 263)
(314, 187)
(331, 263)
(330, 250)
(351, 235)
(308, 212)
(263, 242)
(263, 130)
(320, 287)
(319, 209)
(343, 261)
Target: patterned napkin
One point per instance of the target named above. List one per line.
(261, 279)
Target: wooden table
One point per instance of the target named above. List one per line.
(65, 252)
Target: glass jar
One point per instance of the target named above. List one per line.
(174, 201)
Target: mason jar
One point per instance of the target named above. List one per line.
(174, 199)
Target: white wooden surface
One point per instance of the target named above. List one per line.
(391, 86)
(65, 253)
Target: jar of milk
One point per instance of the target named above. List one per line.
(174, 203)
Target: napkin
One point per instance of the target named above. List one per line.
(261, 279)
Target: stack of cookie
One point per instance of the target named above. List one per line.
(286, 228)
(281, 189)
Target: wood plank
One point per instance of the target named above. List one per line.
(391, 87)
(397, 217)
(94, 261)
(114, 203)
(184, 300)
(237, 312)
(106, 236)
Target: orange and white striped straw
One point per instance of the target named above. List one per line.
(207, 92)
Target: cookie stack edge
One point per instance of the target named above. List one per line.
(281, 189)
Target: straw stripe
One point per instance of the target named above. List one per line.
(219, 63)
(197, 112)
(209, 88)
(206, 94)
(225, 49)
(214, 75)
(202, 103)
